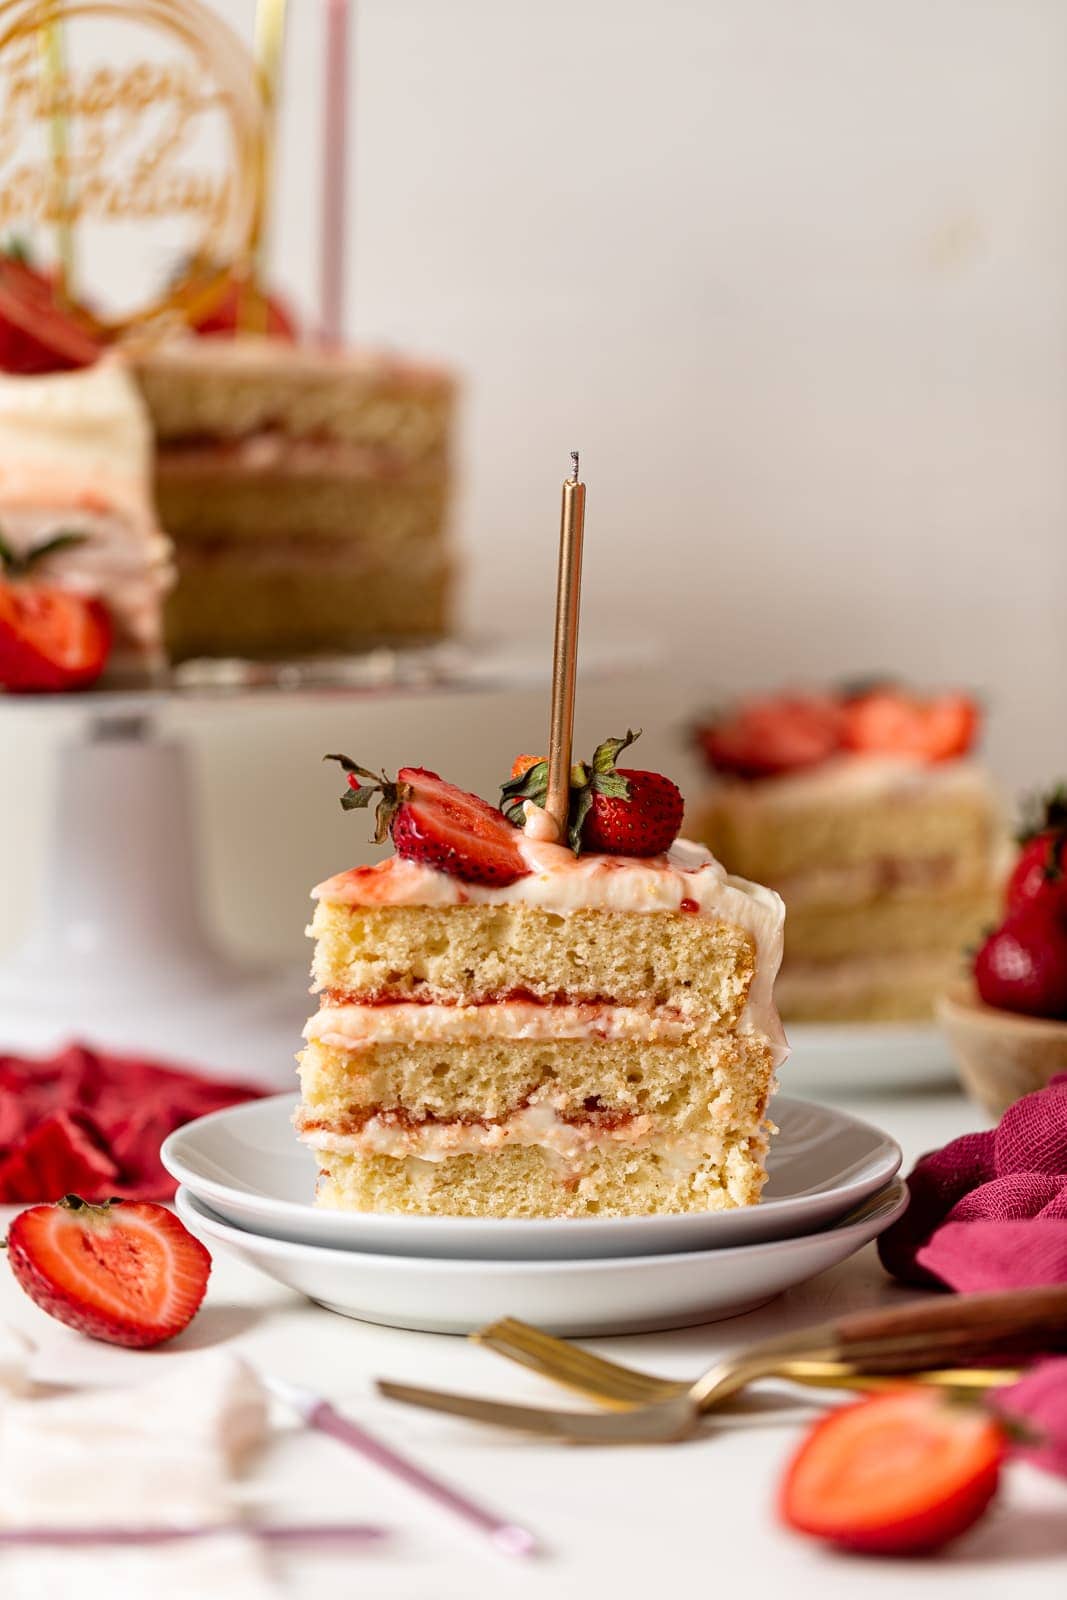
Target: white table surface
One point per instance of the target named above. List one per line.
(696, 1518)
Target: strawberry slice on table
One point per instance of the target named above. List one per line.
(892, 722)
(435, 823)
(126, 1272)
(769, 737)
(898, 1474)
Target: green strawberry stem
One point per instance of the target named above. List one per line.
(588, 778)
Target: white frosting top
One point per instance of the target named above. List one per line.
(687, 878)
(857, 777)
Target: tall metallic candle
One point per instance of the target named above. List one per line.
(565, 651)
(332, 248)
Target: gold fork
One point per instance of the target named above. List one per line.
(611, 1384)
(919, 1336)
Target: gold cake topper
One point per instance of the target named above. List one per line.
(122, 115)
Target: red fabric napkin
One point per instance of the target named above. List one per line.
(1038, 1402)
(989, 1211)
(90, 1123)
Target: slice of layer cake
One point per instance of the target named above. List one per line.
(307, 494)
(76, 510)
(883, 836)
(509, 1029)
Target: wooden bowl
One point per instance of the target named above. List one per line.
(1001, 1055)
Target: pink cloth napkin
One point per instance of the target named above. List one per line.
(989, 1210)
(90, 1123)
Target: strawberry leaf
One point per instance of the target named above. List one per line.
(581, 801)
(18, 563)
(606, 754)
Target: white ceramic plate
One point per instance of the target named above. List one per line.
(248, 1166)
(856, 1058)
(575, 1299)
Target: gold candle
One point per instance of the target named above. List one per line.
(565, 649)
(54, 67)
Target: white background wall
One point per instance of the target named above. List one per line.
(792, 273)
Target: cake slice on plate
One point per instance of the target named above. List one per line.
(869, 814)
(511, 1028)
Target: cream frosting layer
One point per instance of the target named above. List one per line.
(859, 778)
(76, 456)
(538, 1125)
(687, 878)
(354, 1027)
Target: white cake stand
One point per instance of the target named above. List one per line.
(118, 951)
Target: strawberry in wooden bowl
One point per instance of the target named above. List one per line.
(1008, 1021)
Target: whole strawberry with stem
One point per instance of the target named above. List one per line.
(1041, 870)
(434, 823)
(613, 810)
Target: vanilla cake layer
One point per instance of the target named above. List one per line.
(895, 924)
(899, 988)
(524, 1181)
(850, 812)
(715, 1082)
(472, 954)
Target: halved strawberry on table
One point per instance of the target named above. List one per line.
(433, 822)
(51, 639)
(901, 1473)
(126, 1271)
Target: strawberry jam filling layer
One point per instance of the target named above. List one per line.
(352, 1027)
(567, 1137)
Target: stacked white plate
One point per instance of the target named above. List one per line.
(247, 1187)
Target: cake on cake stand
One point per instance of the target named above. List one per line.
(118, 951)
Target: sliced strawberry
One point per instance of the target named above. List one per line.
(523, 764)
(51, 639)
(766, 738)
(898, 1474)
(127, 1272)
(891, 722)
(645, 823)
(37, 333)
(454, 831)
(433, 822)
(226, 315)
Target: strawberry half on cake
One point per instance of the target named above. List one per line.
(510, 1026)
(869, 814)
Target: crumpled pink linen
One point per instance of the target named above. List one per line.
(989, 1210)
(91, 1123)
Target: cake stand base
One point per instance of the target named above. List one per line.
(118, 953)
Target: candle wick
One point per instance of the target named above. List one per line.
(574, 466)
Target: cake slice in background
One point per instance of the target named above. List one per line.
(507, 1028)
(306, 492)
(869, 814)
(76, 510)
